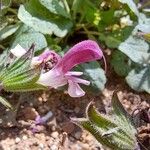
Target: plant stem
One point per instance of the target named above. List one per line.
(90, 32)
(12, 11)
(66, 6)
(2, 47)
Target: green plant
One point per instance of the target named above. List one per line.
(117, 132)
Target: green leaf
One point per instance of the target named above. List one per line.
(95, 131)
(100, 120)
(136, 49)
(43, 20)
(94, 74)
(6, 103)
(19, 76)
(109, 131)
(139, 79)
(132, 6)
(122, 118)
(120, 63)
(144, 24)
(112, 42)
(3, 57)
(116, 37)
(26, 36)
(8, 31)
(55, 6)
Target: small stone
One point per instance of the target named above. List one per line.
(77, 110)
(55, 134)
(17, 140)
(24, 137)
(41, 146)
(77, 135)
(54, 147)
(85, 146)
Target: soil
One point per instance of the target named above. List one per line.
(59, 133)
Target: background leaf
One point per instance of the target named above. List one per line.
(56, 7)
(8, 30)
(136, 49)
(120, 63)
(95, 75)
(131, 5)
(49, 23)
(26, 36)
(139, 79)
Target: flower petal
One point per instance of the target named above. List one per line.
(84, 51)
(74, 90)
(52, 78)
(48, 53)
(74, 73)
(82, 81)
(18, 51)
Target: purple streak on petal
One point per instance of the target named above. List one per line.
(82, 52)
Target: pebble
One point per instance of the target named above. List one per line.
(17, 140)
(24, 137)
(41, 146)
(77, 110)
(53, 147)
(55, 134)
(85, 146)
(77, 135)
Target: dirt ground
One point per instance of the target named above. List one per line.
(59, 133)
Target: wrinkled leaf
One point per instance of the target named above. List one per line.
(27, 39)
(144, 24)
(95, 75)
(8, 30)
(43, 20)
(131, 5)
(136, 49)
(55, 6)
(139, 79)
(120, 63)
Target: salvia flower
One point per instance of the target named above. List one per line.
(57, 71)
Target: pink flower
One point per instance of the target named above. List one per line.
(61, 75)
(57, 71)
